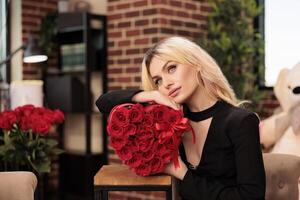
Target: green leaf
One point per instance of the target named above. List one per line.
(51, 142)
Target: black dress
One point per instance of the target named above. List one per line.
(231, 165)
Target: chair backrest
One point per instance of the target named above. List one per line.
(282, 176)
(17, 185)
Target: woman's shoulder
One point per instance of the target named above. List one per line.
(235, 114)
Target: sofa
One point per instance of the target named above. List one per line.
(17, 185)
(282, 176)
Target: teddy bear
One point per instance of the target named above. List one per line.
(280, 133)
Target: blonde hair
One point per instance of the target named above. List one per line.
(188, 53)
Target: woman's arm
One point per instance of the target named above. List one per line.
(107, 101)
(249, 167)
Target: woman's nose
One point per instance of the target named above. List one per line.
(167, 83)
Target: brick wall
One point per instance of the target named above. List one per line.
(133, 27)
(33, 12)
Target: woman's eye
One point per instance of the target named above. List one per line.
(172, 68)
(157, 82)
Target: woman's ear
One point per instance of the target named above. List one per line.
(199, 78)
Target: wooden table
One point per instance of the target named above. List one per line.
(120, 178)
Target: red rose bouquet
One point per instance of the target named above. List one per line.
(26, 138)
(146, 138)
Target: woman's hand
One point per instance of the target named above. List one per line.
(157, 97)
(179, 172)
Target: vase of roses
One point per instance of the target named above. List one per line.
(26, 142)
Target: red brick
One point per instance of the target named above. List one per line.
(124, 79)
(142, 41)
(190, 6)
(124, 24)
(123, 6)
(145, 50)
(163, 2)
(124, 61)
(114, 17)
(111, 26)
(132, 51)
(150, 30)
(166, 11)
(137, 60)
(115, 34)
(114, 70)
(110, 8)
(175, 3)
(132, 33)
(206, 8)
(114, 52)
(190, 25)
(111, 88)
(199, 17)
(137, 79)
(176, 22)
(124, 43)
(132, 14)
(167, 30)
(111, 62)
(110, 80)
(182, 14)
(184, 33)
(150, 11)
(111, 44)
(142, 22)
(132, 69)
(140, 3)
(204, 26)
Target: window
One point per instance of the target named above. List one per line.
(3, 37)
(282, 37)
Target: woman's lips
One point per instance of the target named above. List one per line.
(175, 92)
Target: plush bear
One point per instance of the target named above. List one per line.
(280, 133)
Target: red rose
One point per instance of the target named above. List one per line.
(173, 116)
(8, 119)
(146, 138)
(157, 164)
(117, 142)
(25, 110)
(145, 145)
(145, 134)
(166, 157)
(148, 120)
(120, 116)
(135, 113)
(124, 153)
(143, 170)
(115, 129)
(41, 127)
(58, 116)
(133, 145)
(25, 124)
(130, 129)
(135, 161)
(148, 155)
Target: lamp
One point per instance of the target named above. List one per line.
(32, 53)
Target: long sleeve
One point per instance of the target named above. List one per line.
(250, 174)
(107, 101)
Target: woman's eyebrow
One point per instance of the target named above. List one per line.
(163, 68)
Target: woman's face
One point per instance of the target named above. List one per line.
(175, 80)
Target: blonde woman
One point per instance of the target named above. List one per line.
(226, 160)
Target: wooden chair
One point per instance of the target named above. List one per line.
(120, 178)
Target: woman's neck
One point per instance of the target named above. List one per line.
(200, 100)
